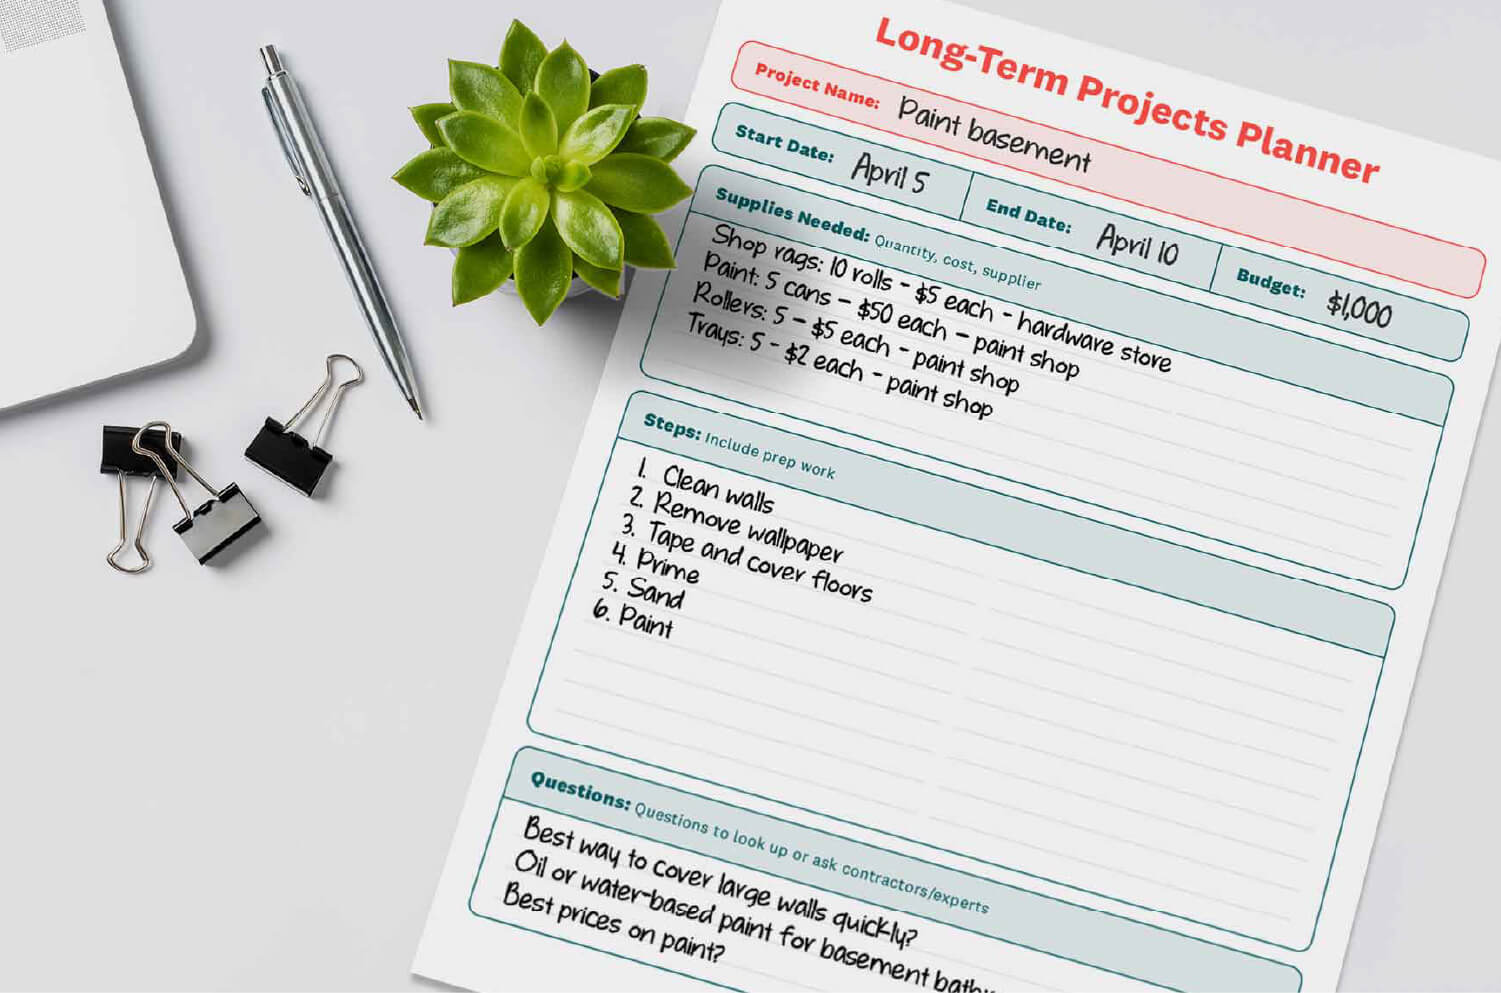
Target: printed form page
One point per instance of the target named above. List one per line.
(1000, 553)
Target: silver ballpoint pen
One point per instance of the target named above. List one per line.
(304, 150)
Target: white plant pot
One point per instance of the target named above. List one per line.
(575, 288)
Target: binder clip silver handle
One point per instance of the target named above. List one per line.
(145, 558)
(322, 391)
(161, 465)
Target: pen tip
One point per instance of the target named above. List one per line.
(416, 409)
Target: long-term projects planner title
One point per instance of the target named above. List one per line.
(1144, 108)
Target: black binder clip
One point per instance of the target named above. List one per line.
(222, 520)
(284, 453)
(121, 459)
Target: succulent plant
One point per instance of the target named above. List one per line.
(542, 170)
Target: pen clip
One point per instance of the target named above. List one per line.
(282, 136)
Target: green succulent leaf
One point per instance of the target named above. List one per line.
(481, 269)
(539, 131)
(520, 55)
(638, 183)
(484, 90)
(572, 176)
(656, 136)
(469, 213)
(624, 85)
(436, 173)
(646, 244)
(486, 142)
(563, 81)
(426, 115)
(595, 135)
(607, 281)
(589, 228)
(544, 268)
(523, 213)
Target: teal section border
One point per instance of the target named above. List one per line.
(1373, 641)
(1422, 506)
(1360, 354)
(573, 575)
(495, 820)
(1463, 342)
(1090, 275)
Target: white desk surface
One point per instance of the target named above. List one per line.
(247, 777)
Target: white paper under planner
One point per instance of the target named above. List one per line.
(1000, 553)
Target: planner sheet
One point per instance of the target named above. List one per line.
(999, 554)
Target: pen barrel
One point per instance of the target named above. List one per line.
(290, 113)
(309, 162)
(368, 292)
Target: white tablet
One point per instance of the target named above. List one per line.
(90, 282)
